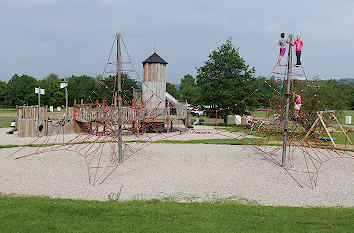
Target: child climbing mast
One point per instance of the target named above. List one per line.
(282, 44)
(297, 105)
(299, 44)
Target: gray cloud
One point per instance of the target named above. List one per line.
(43, 36)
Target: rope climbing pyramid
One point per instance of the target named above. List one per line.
(282, 135)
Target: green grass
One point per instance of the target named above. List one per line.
(341, 116)
(5, 124)
(41, 214)
(340, 137)
(9, 110)
(263, 114)
(227, 141)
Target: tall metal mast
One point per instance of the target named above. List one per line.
(287, 94)
(118, 98)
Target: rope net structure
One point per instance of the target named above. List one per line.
(305, 155)
(103, 132)
(120, 119)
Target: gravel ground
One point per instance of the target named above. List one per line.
(184, 172)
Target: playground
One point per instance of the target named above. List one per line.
(142, 144)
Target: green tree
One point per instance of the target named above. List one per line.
(81, 87)
(20, 90)
(54, 96)
(189, 90)
(51, 77)
(225, 79)
(171, 88)
(347, 89)
(2, 93)
(322, 95)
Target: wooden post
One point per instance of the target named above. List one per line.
(46, 120)
(186, 120)
(312, 127)
(97, 109)
(324, 125)
(340, 125)
(104, 120)
(82, 108)
(75, 116)
(90, 119)
(168, 116)
(216, 119)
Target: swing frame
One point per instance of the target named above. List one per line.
(331, 117)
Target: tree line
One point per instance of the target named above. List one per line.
(222, 81)
(19, 90)
(226, 79)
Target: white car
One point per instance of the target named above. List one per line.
(196, 112)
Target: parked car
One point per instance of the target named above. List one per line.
(197, 112)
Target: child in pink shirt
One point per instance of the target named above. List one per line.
(299, 44)
(297, 105)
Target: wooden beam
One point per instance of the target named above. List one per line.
(324, 125)
(312, 127)
(340, 125)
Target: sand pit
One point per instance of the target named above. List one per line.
(184, 172)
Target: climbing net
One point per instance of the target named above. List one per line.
(114, 125)
(264, 128)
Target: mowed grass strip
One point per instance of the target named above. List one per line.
(5, 124)
(41, 214)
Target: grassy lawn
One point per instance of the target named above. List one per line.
(226, 141)
(40, 214)
(5, 124)
(341, 116)
(340, 137)
(8, 115)
(264, 114)
(8, 110)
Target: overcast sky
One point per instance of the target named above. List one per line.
(68, 37)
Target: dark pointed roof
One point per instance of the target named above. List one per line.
(155, 59)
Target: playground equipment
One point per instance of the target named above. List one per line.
(109, 125)
(33, 122)
(30, 122)
(152, 109)
(331, 117)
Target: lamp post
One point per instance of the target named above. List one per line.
(64, 84)
(40, 92)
